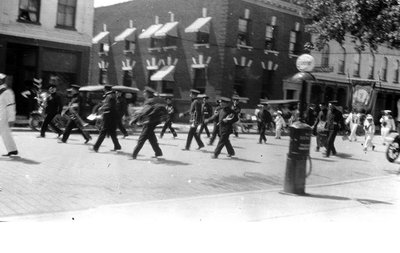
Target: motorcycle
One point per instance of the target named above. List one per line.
(393, 149)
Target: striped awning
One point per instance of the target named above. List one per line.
(99, 37)
(199, 25)
(126, 35)
(164, 74)
(168, 29)
(150, 31)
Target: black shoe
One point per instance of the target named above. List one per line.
(373, 147)
(87, 140)
(230, 155)
(134, 157)
(161, 135)
(214, 157)
(61, 141)
(40, 136)
(185, 149)
(15, 152)
(200, 147)
(94, 149)
(116, 149)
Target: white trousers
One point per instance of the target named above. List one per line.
(368, 141)
(8, 140)
(353, 131)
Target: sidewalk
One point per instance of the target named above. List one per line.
(375, 200)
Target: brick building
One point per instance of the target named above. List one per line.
(45, 39)
(220, 47)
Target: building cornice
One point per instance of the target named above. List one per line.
(278, 5)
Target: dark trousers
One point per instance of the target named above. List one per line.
(214, 133)
(192, 133)
(331, 142)
(168, 124)
(108, 128)
(147, 134)
(262, 128)
(48, 121)
(204, 127)
(121, 127)
(224, 142)
(70, 125)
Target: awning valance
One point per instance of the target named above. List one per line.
(164, 74)
(168, 29)
(199, 25)
(150, 31)
(128, 34)
(99, 37)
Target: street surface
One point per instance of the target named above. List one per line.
(50, 178)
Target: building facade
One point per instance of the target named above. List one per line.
(220, 47)
(45, 39)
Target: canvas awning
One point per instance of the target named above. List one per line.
(99, 37)
(168, 29)
(128, 34)
(164, 74)
(199, 25)
(150, 31)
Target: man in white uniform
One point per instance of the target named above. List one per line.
(7, 116)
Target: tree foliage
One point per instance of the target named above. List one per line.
(370, 22)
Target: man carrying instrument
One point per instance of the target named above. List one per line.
(53, 106)
(73, 112)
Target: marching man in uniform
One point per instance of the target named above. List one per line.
(7, 116)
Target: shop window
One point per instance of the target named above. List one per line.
(240, 80)
(29, 11)
(200, 80)
(342, 61)
(384, 68)
(66, 13)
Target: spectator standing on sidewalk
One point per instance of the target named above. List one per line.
(149, 118)
(171, 110)
(226, 118)
(280, 124)
(109, 124)
(206, 112)
(215, 131)
(53, 107)
(369, 128)
(7, 116)
(74, 114)
(334, 124)
(264, 119)
(195, 120)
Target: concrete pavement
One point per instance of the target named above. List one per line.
(52, 181)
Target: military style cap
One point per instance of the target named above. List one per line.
(203, 96)
(224, 99)
(194, 91)
(369, 116)
(235, 97)
(2, 76)
(75, 86)
(149, 89)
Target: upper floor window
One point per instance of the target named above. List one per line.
(357, 64)
(384, 68)
(29, 11)
(371, 66)
(292, 42)
(243, 34)
(396, 72)
(342, 61)
(325, 56)
(270, 37)
(66, 13)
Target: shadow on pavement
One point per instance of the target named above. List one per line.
(322, 159)
(348, 156)
(239, 159)
(167, 144)
(393, 172)
(362, 201)
(19, 159)
(164, 161)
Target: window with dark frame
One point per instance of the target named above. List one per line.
(130, 45)
(270, 35)
(243, 32)
(342, 61)
(240, 80)
(384, 68)
(171, 40)
(167, 87)
(156, 42)
(293, 42)
(66, 13)
(151, 83)
(29, 11)
(325, 56)
(104, 48)
(203, 38)
(200, 79)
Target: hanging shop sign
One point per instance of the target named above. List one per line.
(305, 63)
(363, 94)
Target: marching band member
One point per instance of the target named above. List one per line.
(171, 113)
(53, 107)
(7, 116)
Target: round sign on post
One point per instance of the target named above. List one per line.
(305, 63)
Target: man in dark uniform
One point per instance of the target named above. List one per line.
(206, 112)
(122, 110)
(53, 107)
(74, 113)
(171, 114)
(335, 123)
(195, 120)
(226, 117)
(109, 124)
(264, 119)
(215, 131)
(236, 108)
(146, 118)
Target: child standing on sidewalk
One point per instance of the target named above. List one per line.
(369, 128)
(279, 124)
